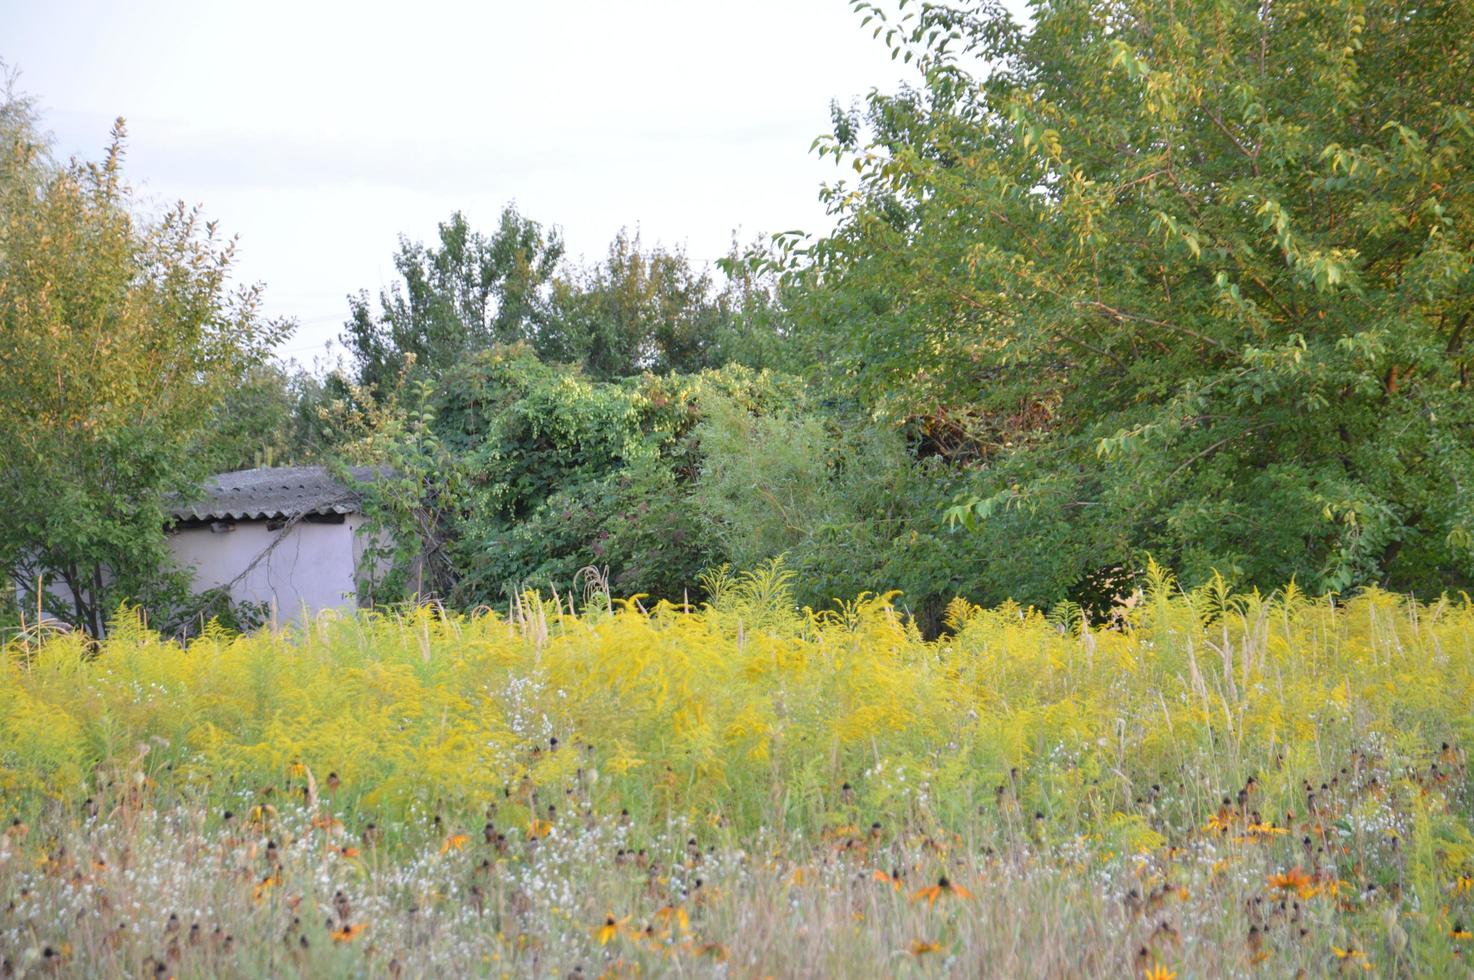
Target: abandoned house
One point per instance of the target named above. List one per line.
(290, 539)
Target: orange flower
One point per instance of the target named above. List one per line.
(941, 888)
(454, 843)
(1460, 931)
(348, 933)
(348, 852)
(674, 915)
(1158, 972)
(1295, 880)
(539, 828)
(921, 947)
(331, 824)
(893, 880)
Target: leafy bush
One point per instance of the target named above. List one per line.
(516, 472)
(846, 504)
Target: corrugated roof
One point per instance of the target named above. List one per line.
(278, 492)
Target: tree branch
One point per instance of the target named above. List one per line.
(1121, 315)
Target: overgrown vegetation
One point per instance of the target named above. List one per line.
(1129, 279)
(1213, 783)
(1119, 281)
(1125, 280)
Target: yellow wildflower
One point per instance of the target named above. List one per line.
(610, 929)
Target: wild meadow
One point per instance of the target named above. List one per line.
(1096, 280)
(1201, 784)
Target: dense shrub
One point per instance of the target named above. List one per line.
(845, 502)
(561, 472)
(527, 473)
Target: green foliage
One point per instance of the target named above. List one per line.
(1200, 275)
(118, 337)
(639, 309)
(270, 417)
(516, 474)
(765, 480)
(564, 472)
(465, 293)
(645, 310)
(1130, 280)
(415, 502)
(844, 501)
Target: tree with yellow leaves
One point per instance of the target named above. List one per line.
(119, 333)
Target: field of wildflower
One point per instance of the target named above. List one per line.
(1204, 784)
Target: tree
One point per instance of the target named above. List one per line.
(637, 310)
(118, 336)
(270, 417)
(468, 293)
(1198, 274)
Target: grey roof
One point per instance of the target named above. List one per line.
(279, 492)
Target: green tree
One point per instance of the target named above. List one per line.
(465, 293)
(637, 310)
(1197, 274)
(118, 337)
(270, 417)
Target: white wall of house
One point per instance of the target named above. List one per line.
(310, 569)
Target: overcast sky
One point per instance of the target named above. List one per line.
(318, 132)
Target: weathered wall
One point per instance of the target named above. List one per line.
(312, 568)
